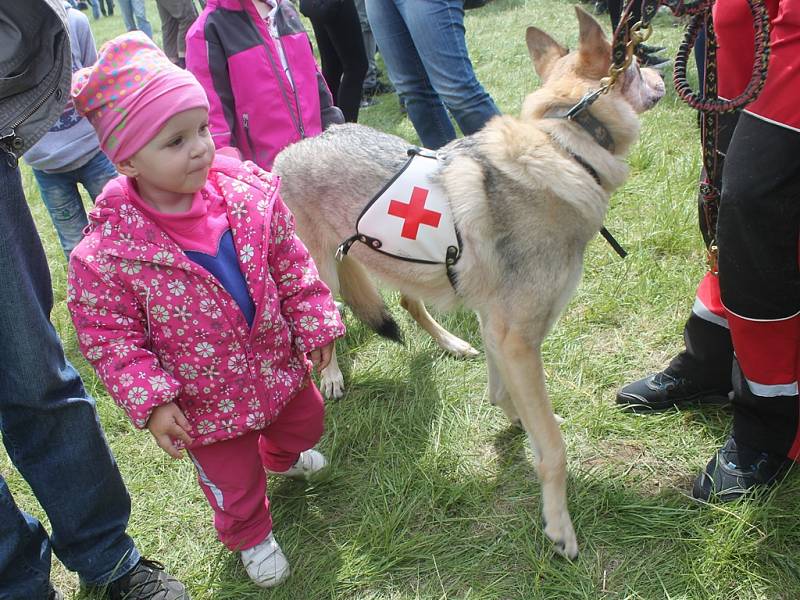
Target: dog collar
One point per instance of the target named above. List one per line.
(585, 119)
(603, 137)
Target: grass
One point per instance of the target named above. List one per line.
(431, 494)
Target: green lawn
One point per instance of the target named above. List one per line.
(431, 494)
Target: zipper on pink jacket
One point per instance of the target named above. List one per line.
(297, 119)
(246, 127)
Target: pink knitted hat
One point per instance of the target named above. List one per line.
(131, 91)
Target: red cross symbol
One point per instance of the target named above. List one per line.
(414, 213)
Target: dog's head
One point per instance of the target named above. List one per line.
(566, 76)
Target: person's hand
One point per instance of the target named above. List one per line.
(320, 357)
(166, 423)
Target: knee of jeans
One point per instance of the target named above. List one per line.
(62, 204)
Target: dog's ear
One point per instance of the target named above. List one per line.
(594, 51)
(544, 51)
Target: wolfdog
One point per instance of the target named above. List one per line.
(526, 195)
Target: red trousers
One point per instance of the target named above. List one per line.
(232, 473)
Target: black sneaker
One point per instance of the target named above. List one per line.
(651, 59)
(736, 470)
(147, 581)
(379, 89)
(662, 390)
(647, 49)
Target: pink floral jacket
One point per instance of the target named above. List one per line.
(159, 328)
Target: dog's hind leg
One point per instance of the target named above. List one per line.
(451, 344)
(520, 363)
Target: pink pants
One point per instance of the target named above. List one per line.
(231, 473)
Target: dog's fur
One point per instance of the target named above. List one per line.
(525, 208)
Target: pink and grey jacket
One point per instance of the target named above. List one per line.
(159, 328)
(254, 107)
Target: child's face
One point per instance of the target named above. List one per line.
(177, 159)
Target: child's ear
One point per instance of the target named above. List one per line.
(126, 168)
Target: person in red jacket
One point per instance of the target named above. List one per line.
(743, 335)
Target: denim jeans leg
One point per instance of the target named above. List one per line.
(49, 423)
(95, 8)
(24, 552)
(407, 72)
(126, 8)
(141, 18)
(96, 173)
(437, 27)
(62, 198)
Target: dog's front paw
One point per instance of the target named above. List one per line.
(559, 530)
(332, 384)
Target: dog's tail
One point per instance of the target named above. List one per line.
(360, 294)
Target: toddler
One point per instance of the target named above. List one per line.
(194, 300)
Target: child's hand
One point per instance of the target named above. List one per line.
(321, 356)
(167, 422)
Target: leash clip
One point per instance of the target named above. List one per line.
(585, 102)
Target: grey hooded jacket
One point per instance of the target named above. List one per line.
(35, 72)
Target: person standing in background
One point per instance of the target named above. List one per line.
(341, 50)
(69, 154)
(265, 91)
(135, 17)
(107, 8)
(176, 18)
(424, 47)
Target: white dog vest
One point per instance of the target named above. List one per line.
(410, 218)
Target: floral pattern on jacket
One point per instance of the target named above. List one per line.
(159, 328)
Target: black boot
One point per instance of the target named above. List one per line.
(146, 581)
(736, 470)
(663, 390)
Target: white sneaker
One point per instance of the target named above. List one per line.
(309, 463)
(265, 563)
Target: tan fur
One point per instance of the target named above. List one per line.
(522, 248)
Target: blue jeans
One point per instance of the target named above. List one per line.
(50, 430)
(135, 9)
(425, 51)
(95, 4)
(62, 198)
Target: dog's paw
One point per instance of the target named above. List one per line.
(332, 385)
(561, 533)
(458, 348)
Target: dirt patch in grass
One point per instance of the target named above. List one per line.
(634, 462)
